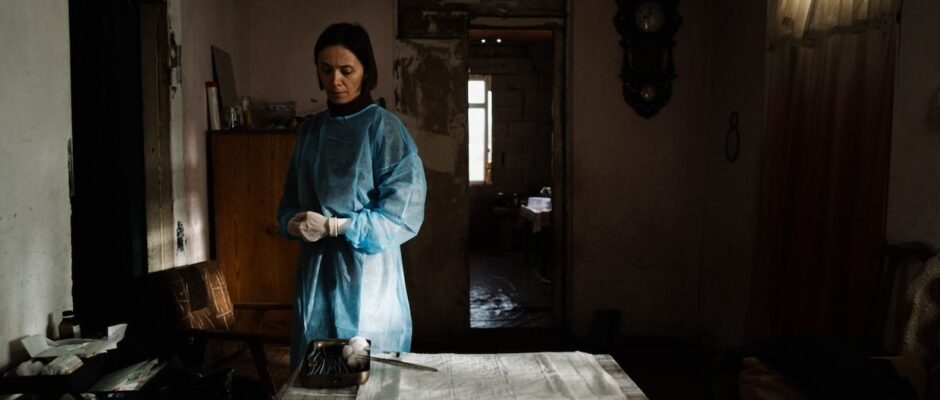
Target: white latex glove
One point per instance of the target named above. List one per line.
(313, 226)
(293, 227)
(309, 225)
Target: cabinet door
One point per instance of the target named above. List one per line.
(247, 175)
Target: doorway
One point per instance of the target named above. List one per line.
(109, 239)
(513, 143)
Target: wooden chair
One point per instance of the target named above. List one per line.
(190, 306)
(904, 330)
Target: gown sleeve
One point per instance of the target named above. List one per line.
(396, 212)
(290, 199)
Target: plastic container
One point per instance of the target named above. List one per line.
(212, 98)
(540, 203)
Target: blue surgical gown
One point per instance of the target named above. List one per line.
(364, 167)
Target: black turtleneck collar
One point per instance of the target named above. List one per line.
(342, 110)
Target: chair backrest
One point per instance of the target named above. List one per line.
(892, 306)
(922, 333)
(193, 296)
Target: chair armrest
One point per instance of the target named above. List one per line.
(262, 306)
(259, 310)
(236, 336)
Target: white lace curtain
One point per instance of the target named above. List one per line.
(806, 20)
(824, 165)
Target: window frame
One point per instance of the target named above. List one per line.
(487, 105)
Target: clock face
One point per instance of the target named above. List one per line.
(649, 16)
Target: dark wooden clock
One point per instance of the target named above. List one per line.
(647, 29)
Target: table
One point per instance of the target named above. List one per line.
(537, 242)
(506, 221)
(626, 385)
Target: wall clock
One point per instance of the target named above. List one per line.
(647, 35)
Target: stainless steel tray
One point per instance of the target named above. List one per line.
(318, 380)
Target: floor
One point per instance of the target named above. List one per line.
(507, 293)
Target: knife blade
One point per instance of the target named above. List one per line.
(400, 363)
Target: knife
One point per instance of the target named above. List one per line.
(399, 363)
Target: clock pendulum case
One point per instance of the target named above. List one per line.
(647, 29)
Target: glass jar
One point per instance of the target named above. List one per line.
(67, 325)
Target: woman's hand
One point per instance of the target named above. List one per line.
(309, 225)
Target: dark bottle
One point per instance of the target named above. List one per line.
(68, 325)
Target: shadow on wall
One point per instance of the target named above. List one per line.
(18, 353)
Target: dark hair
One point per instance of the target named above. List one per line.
(355, 39)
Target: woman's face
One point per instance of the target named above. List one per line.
(340, 73)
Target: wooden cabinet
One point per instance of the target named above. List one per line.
(247, 169)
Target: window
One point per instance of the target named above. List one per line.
(480, 129)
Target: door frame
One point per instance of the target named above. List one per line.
(561, 147)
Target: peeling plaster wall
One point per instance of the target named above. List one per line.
(35, 233)
(438, 128)
(283, 34)
(914, 187)
(731, 189)
(503, 8)
(636, 184)
(205, 23)
(432, 76)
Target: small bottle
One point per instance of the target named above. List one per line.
(67, 326)
(246, 112)
(233, 118)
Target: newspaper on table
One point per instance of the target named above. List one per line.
(42, 347)
(133, 377)
(542, 376)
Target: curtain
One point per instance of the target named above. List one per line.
(824, 167)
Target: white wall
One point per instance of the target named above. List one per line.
(914, 186)
(284, 32)
(205, 23)
(36, 115)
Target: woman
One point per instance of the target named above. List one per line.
(355, 192)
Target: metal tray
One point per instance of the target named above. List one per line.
(352, 378)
